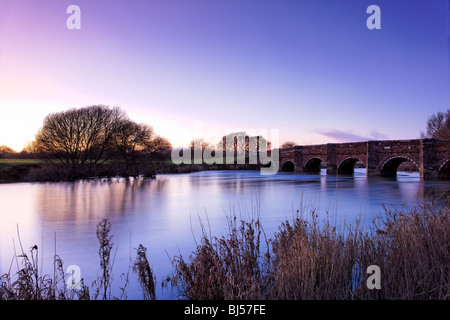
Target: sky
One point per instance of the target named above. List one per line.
(310, 69)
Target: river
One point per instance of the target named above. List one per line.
(166, 214)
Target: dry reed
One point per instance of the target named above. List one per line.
(145, 274)
(309, 260)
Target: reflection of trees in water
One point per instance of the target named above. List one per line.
(232, 180)
(91, 199)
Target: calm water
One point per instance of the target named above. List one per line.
(165, 215)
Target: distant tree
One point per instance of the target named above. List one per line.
(438, 125)
(263, 144)
(241, 141)
(31, 147)
(199, 142)
(6, 151)
(158, 148)
(288, 144)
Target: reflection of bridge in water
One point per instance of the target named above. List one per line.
(381, 158)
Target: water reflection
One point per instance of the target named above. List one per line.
(163, 214)
(93, 199)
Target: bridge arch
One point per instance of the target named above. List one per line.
(347, 165)
(312, 164)
(288, 166)
(389, 166)
(444, 170)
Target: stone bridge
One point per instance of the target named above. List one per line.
(381, 158)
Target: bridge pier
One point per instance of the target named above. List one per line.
(332, 165)
(373, 159)
(429, 169)
(298, 159)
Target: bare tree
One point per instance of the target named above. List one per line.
(199, 142)
(158, 147)
(438, 125)
(81, 139)
(235, 141)
(4, 148)
(82, 136)
(241, 141)
(288, 144)
(31, 147)
(6, 151)
(130, 139)
(244, 146)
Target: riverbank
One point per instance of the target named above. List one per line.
(17, 170)
(403, 256)
(40, 170)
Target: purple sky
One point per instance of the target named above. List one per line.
(311, 69)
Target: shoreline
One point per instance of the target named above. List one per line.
(40, 171)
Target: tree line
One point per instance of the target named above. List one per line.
(93, 135)
(82, 140)
(240, 141)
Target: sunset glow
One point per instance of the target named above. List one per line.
(311, 69)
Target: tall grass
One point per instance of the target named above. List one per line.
(145, 274)
(28, 284)
(305, 259)
(104, 238)
(223, 268)
(313, 262)
(310, 260)
(413, 249)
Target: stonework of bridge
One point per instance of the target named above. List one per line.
(381, 158)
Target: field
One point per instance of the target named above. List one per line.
(20, 162)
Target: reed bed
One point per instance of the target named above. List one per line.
(28, 284)
(305, 259)
(310, 260)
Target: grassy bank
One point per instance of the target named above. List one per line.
(304, 259)
(12, 170)
(23, 162)
(40, 170)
